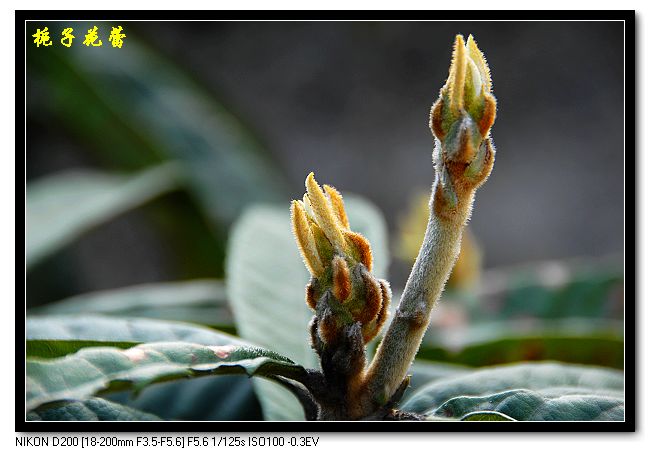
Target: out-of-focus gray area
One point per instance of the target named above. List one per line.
(351, 102)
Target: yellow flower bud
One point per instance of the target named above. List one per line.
(305, 238)
(342, 290)
(324, 213)
(464, 113)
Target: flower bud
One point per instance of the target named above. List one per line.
(342, 289)
(462, 116)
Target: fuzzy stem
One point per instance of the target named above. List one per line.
(426, 282)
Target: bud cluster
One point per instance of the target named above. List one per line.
(460, 120)
(466, 109)
(342, 291)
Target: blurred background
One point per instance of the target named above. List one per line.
(141, 158)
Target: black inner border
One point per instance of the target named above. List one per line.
(171, 427)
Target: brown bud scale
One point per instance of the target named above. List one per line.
(488, 116)
(382, 316)
(372, 300)
(361, 246)
(328, 329)
(311, 296)
(342, 286)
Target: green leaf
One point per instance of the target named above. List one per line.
(227, 398)
(574, 340)
(539, 391)
(486, 416)
(266, 281)
(55, 348)
(93, 409)
(555, 404)
(91, 327)
(93, 370)
(185, 399)
(582, 288)
(424, 372)
(201, 301)
(63, 206)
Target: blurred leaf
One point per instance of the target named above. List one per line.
(586, 297)
(93, 370)
(62, 207)
(93, 409)
(582, 341)
(266, 281)
(587, 288)
(200, 301)
(91, 327)
(146, 110)
(424, 372)
(540, 391)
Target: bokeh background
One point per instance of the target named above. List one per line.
(141, 159)
(350, 101)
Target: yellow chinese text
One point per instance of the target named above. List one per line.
(67, 37)
(92, 38)
(116, 37)
(42, 37)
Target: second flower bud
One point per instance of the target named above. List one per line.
(342, 290)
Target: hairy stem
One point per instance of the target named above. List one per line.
(426, 282)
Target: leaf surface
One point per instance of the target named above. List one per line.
(93, 409)
(424, 372)
(98, 328)
(530, 391)
(93, 370)
(227, 398)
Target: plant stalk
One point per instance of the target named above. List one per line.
(425, 284)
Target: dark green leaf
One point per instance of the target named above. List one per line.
(582, 288)
(93, 409)
(227, 398)
(574, 340)
(55, 348)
